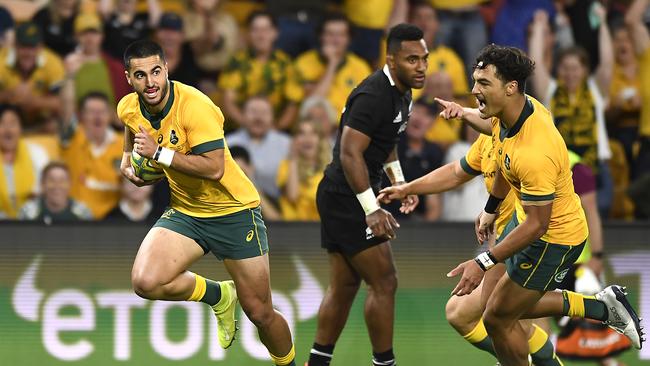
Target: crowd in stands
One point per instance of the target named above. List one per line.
(281, 71)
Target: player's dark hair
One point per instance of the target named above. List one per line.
(511, 64)
(141, 49)
(92, 95)
(333, 17)
(4, 108)
(260, 13)
(55, 164)
(240, 152)
(400, 33)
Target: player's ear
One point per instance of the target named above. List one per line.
(512, 88)
(390, 61)
(126, 75)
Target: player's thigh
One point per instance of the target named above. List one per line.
(509, 301)
(252, 281)
(164, 254)
(342, 274)
(375, 265)
(489, 282)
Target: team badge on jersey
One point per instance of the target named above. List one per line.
(173, 138)
(506, 162)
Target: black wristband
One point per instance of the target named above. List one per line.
(492, 257)
(478, 261)
(156, 155)
(492, 204)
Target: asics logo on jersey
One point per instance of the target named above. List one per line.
(173, 138)
(250, 235)
(160, 138)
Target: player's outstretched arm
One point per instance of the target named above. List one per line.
(468, 115)
(443, 179)
(208, 165)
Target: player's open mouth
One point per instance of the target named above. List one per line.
(151, 92)
(419, 77)
(481, 104)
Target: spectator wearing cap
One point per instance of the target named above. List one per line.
(22, 163)
(331, 71)
(213, 34)
(56, 21)
(88, 68)
(178, 53)
(6, 28)
(30, 76)
(123, 24)
(261, 69)
(55, 205)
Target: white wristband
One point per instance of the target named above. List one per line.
(368, 201)
(394, 171)
(484, 261)
(164, 156)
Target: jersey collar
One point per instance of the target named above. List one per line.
(155, 119)
(387, 73)
(526, 112)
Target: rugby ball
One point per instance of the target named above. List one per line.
(145, 168)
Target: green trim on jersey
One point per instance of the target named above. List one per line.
(208, 146)
(468, 169)
(525, 113)
(155, 119)
(531, 197)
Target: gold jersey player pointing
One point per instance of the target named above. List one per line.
(548, 229)
(214, 207)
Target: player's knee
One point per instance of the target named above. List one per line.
(347, 289)
(386, 285)
(496, 320)
(260, 314)
(452, 311)
(145, 285)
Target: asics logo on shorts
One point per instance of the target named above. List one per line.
(560, 276)
(525, 266)
(250, 235)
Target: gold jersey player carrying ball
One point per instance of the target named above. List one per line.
(548, 229)
(214, 207)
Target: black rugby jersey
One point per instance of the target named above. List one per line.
(377, 109)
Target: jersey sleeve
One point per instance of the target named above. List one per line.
(363, 115)
(203, 126)
(537, 174)
(471, 162)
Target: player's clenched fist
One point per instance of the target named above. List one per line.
(144, 144)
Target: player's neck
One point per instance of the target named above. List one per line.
(398, 84)
(511, 112)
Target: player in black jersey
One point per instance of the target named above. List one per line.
(355, 230)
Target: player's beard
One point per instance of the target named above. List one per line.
(163, 92)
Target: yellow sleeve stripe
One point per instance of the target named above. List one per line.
(467, 168)
(208, 146)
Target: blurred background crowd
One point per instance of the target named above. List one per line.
(281, 71)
